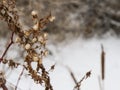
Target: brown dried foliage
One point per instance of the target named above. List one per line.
(32, 40)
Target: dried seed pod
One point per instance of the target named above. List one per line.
(18, 39)
(27, 33)
(34, 13)
(34, 40)
(27, 46)
(51, 18)
(40, 38)
(45, 35)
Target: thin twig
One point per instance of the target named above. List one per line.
(7, 48)
(19, 78)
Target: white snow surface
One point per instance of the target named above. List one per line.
(80, 56)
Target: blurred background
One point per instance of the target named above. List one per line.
(86, 18)
(74, 40)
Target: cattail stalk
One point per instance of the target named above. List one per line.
(102, 63)
(102, 67)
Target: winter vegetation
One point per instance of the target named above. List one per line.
(59, 44)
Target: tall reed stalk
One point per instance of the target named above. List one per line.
(101, 80)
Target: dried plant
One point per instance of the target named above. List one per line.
(32, 40)
(78, 83)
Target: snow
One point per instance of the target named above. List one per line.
(80, 56)
(84, 55)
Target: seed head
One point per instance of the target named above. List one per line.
(52, 18)
(45, 35)
(34, 13)
(27, 46)
(40, 38)
(18, 39)
(27, 33)
(34, 40)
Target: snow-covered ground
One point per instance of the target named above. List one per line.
(81, 56)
